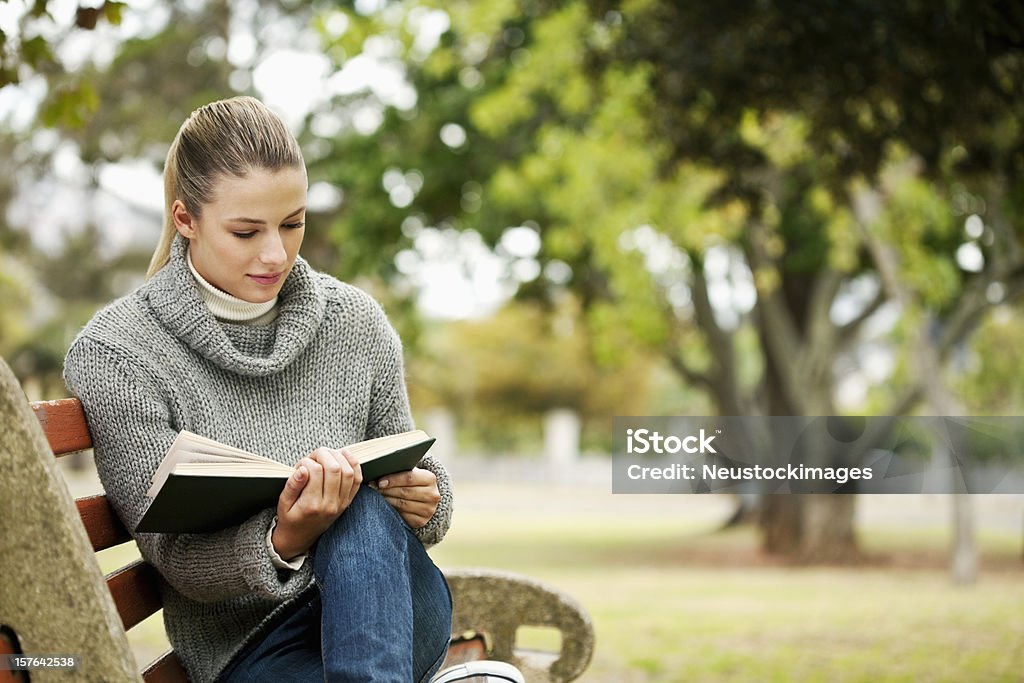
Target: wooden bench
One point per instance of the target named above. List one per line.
(490, 606)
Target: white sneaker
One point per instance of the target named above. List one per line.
(485, 671)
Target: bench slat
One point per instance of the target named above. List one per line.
(101, 522)
(136, 592)
(64, 424)
(9, 646)
(166, 668)
(469, 647)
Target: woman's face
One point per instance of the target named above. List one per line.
(246, 240)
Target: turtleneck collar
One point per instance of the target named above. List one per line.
(174, 296)
(224, 306)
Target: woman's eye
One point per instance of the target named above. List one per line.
(243, 235)
(293, 226)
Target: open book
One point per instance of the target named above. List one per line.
(204, 485)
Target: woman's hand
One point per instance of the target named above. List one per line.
(321, 488)
(414, 494)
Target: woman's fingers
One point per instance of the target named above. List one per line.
(414, 477)
(354, 475)
(416, 513)
(341, 479)
(422, 494)
(332, 470)
(315, 487)
(292, 489)
(413, 494)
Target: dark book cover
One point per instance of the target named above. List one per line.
(202, 503)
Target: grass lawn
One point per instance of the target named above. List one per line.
(672, 600)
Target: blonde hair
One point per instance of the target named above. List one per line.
(231, 136)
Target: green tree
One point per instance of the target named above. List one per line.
(721, 180)
(33, 50)
(987, 371)
(738, 187)
(502, 373)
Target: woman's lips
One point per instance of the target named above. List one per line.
(266, 279)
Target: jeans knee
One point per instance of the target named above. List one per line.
(373, 505)
(370, 533)
(369, 514)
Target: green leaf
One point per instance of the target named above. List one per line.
(71, 106)
(36, 52)
(38, 8)
(113, 11)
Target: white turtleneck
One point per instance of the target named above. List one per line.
(230, 308)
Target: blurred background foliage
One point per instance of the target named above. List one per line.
(651, 207)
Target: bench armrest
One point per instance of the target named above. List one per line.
(498, 603)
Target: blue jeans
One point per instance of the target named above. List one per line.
(382, 612)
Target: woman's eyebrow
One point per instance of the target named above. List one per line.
(257, 221)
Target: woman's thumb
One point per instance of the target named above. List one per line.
(293, 488)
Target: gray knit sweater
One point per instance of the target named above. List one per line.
(327, 372)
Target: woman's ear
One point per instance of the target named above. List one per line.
(183, 220)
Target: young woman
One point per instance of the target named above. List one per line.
(235, 337)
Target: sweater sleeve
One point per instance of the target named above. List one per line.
(132, 429)
(390, 414)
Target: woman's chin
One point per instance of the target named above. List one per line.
(259, 297)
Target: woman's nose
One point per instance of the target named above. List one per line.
(273, 251)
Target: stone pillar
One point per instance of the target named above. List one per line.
(561, 442)
(52, 592)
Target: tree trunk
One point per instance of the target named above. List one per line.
(965, 554)
(810, 528)
(746, 511)
(804, 527)
(781, 523)
(781, 518)
(828, 532)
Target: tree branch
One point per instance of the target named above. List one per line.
(691, 375)
(721, 381)
(974, 302)
(781, 342)
(846, 333)
(820, 344)
(719, 340)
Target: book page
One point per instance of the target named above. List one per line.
(191, 447)
(374, 448)
(233, 469)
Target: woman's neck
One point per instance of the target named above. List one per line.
(224, 306)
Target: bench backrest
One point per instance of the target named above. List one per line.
(134, 587)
